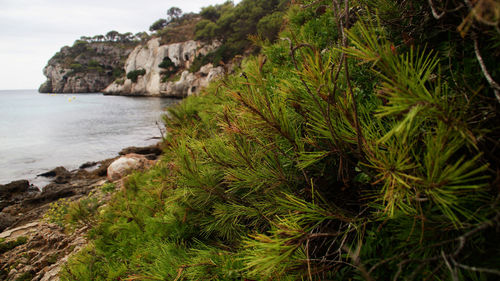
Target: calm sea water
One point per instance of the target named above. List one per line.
(39, 132)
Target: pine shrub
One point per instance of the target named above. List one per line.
(344, 151)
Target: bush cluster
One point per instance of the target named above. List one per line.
(345, 151)
(7, 246)
(169, 68)
(134, 74)
(232, 24)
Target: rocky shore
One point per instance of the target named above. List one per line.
(32, 248)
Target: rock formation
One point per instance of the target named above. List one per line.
(149, 56)
(103, 67)
(126, 164)
(85, 67)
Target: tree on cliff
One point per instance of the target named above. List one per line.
(174, 13)
(157, 25)
(98, 38)
(142, 36)
(86, 38)
(112, 35)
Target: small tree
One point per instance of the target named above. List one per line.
(112, 35)
(98, 38)
(86, 38)
(142, 36)
(134, 74)
(174, 13)
(126, 37)
(157, 25)
(210, 13)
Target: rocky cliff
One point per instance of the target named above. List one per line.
(173, 80)
(103, 67)
(85, 67)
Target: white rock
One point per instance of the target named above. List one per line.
(150, 55)
(126, 164)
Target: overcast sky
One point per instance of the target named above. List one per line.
(32, 31)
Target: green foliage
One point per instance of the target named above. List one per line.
(174, 13)
(118, 73)
(157, 25)
(57, 212)
(234, 24)
(108, 187)
(169, 68)
(7, 246)
(70, 214)
(134, 74)
(336, 154)
(205, 30)
(269, 26)
(120, 81)
(82, 212)
(25, 277)
(216, 58)
(166, 63)
(76, 67)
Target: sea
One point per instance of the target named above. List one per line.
(39, 132)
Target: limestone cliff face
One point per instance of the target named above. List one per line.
(85, 67)
(149, 56)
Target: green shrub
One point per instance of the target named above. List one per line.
(94, 63)
(25, 277)
(169, 68)
(327, 158)
(205, 30)
(134, 74)
(67, 214)
(167, 63)
(82, 212)
(7, 246)
(76, 67)
(99, 69)
(171, 78)
(233, 24)
(120, 81)
(118, 73)
(57, 212)
(269, 26)
(108, 187)
(216, 58)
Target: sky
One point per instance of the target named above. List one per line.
(32, 31)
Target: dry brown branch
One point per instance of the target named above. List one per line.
(461, 243)
(493, 83)
(434, 11)
(473, 268)
(182, 267)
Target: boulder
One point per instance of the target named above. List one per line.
(7, 190)
(126, 164)
(59, 171)
(153, 149)
(87, 165)
(6, 220)
(60, 175)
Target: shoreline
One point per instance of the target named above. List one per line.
(32, 246)
(43, 132)
(21, 201)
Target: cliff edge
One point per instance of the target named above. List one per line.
(85, 67)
